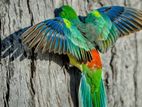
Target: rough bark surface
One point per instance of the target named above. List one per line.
(36, 80)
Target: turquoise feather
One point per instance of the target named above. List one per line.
(105, 25)
(84, 95)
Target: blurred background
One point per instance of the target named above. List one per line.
(41, 80)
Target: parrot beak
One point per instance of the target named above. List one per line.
(82, 18)
(57, 11)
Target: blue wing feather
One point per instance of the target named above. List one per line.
(53, 35)
(124, 21)
(127, 20)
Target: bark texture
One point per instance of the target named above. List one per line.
(37, 80)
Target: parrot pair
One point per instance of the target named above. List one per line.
(81, 38)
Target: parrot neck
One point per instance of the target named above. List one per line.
(76, 21)
(80, 25)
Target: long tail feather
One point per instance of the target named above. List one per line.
(88, 99)
(85, 99)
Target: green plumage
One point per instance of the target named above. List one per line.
(105, 25)
(68, 13)
(91, 90)
(93, 77)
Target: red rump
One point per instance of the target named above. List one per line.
(96, 60)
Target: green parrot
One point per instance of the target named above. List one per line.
(81, 38)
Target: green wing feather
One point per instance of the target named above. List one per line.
(59, 36)
(107, 24)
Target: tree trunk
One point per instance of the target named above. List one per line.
(41, 80)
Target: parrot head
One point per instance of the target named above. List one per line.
(67, 12)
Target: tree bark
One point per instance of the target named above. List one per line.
(41, 80)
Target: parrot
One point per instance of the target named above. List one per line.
(81, 38)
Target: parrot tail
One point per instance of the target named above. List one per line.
(87, 99)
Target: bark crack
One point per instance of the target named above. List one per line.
(113, 53)
(33, 59)
(33, 70)
(0, 40)
(30, 12)
(9, 75)
(9, 21)
(6, 99)
(135, 71)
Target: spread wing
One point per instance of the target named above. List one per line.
(127, 20)
(113, 22)
(59, 36)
